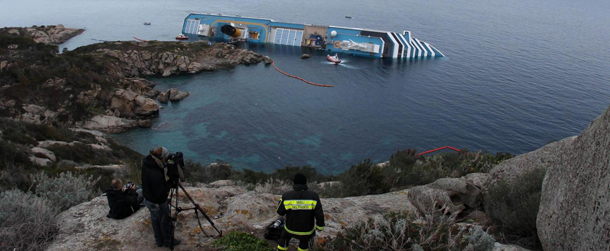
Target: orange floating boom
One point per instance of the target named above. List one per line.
(311, 83)
(139, 39)
(438, 149)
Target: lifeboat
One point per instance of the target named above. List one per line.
(335, 59)
(182, 37)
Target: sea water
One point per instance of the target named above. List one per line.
(518, 74)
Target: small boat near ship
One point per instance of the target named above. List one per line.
(335, 59)
(333, 39)
(182, 37)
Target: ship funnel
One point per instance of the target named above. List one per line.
(230, 30)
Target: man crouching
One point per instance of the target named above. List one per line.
(155, 187)
(122, 201)
(304, 214)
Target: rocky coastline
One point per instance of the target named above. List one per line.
(100, 86)
(45, 34)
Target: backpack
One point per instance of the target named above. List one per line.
(274, 230)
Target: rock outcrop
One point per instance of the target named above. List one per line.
(37, 115)
(575, 202)
(49, 34)
(455, 193)
(40, 152)
(140, 59)
(109, 124)
(544, 157)
(86, 227)
(163, 97)
(131, 104)
(177, 95)
(173, 95)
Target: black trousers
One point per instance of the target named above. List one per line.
(285, 239)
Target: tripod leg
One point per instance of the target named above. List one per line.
(198, 208)
(174, 218)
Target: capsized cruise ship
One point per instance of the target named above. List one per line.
(334, 39)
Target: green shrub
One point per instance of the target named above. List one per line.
(12, 155)
(14, 176)
(362, 179)
(483, 162)
(479, 240)
(513, 205)
(196, 172)
(287, 173)
(273, 186)
(398, 232)
(122, 152)
(18, 136)
(46, 132)
(27, 222)
(239, 241)
(65, 190)
(406, 169)
(81, 153)
(403, 231)
(250, 176)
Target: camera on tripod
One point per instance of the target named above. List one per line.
(175, 168)
(175, 172)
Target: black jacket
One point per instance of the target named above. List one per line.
(122, 203)
(154, 187)
(303, 211)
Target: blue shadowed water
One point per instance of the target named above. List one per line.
(518, 74)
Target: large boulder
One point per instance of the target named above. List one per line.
(543, 157)
(37, 115)
(145, 106)
(110, 124)
(480, 180)
(223, 183)
(40, 161)
(43, 153)
(176, 95)
(503, 247)
(575, 202)
(163, 97)
(130, 104)
(456, 194)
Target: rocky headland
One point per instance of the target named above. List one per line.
(100, 86)
(46, 34)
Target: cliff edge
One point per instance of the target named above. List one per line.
(575, 205)
(86, 227)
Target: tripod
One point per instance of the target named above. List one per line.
(177, 209)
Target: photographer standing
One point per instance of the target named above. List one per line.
(155, 187)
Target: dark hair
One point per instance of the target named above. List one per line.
(299, 178)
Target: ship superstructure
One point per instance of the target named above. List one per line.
(334, 39)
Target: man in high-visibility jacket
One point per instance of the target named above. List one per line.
(304, 214)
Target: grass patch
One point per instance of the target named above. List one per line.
(240, 241)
